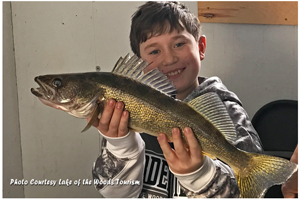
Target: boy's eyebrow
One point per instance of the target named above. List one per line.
(151, 45)
(179, 37)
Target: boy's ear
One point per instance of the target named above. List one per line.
(202, 46)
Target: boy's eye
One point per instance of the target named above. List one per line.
(178, 45)
(154, 52)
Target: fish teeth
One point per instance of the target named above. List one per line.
(174, 73)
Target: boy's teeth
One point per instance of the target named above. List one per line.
(174, 73)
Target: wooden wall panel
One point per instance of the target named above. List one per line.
(255, 12)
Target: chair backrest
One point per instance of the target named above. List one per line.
(277, 125)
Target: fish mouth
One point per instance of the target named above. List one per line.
(44, 91)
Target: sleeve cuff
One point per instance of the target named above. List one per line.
(198, 179)
(128, 146)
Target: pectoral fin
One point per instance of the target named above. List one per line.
(96, 113)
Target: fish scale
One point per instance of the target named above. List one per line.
(143, 114)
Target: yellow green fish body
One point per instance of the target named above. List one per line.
(152, 111)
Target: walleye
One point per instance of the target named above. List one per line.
(152, 110)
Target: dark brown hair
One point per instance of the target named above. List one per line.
(156, 18)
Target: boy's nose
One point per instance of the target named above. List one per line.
(169, 58)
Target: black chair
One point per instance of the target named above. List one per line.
(277, 126)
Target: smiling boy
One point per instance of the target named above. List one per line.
(168, 36)
(178, 56)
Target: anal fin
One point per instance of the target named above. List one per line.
(209, 155)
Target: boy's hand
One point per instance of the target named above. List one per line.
(114, 120)
(290, 188)
(184, 159)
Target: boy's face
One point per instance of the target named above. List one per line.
(177, 55)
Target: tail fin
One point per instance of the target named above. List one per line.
(263, 172)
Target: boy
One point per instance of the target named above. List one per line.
(168, 36)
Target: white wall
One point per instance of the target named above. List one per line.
(258, 62)
(12, 157)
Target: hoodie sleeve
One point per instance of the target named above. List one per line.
(118, 171)
(213, 180)
(247, 137)
(217, 178)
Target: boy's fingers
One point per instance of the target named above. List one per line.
(107, 114)
(194, 146)
(123, 127)
(165, 147)
(180, 150)
(115, 119)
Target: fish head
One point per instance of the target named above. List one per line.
(76, 94)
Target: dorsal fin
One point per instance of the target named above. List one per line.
(212, 108)
(132, 67)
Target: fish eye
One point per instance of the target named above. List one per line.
(57, 83)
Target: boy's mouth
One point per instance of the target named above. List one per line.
(174, 72)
